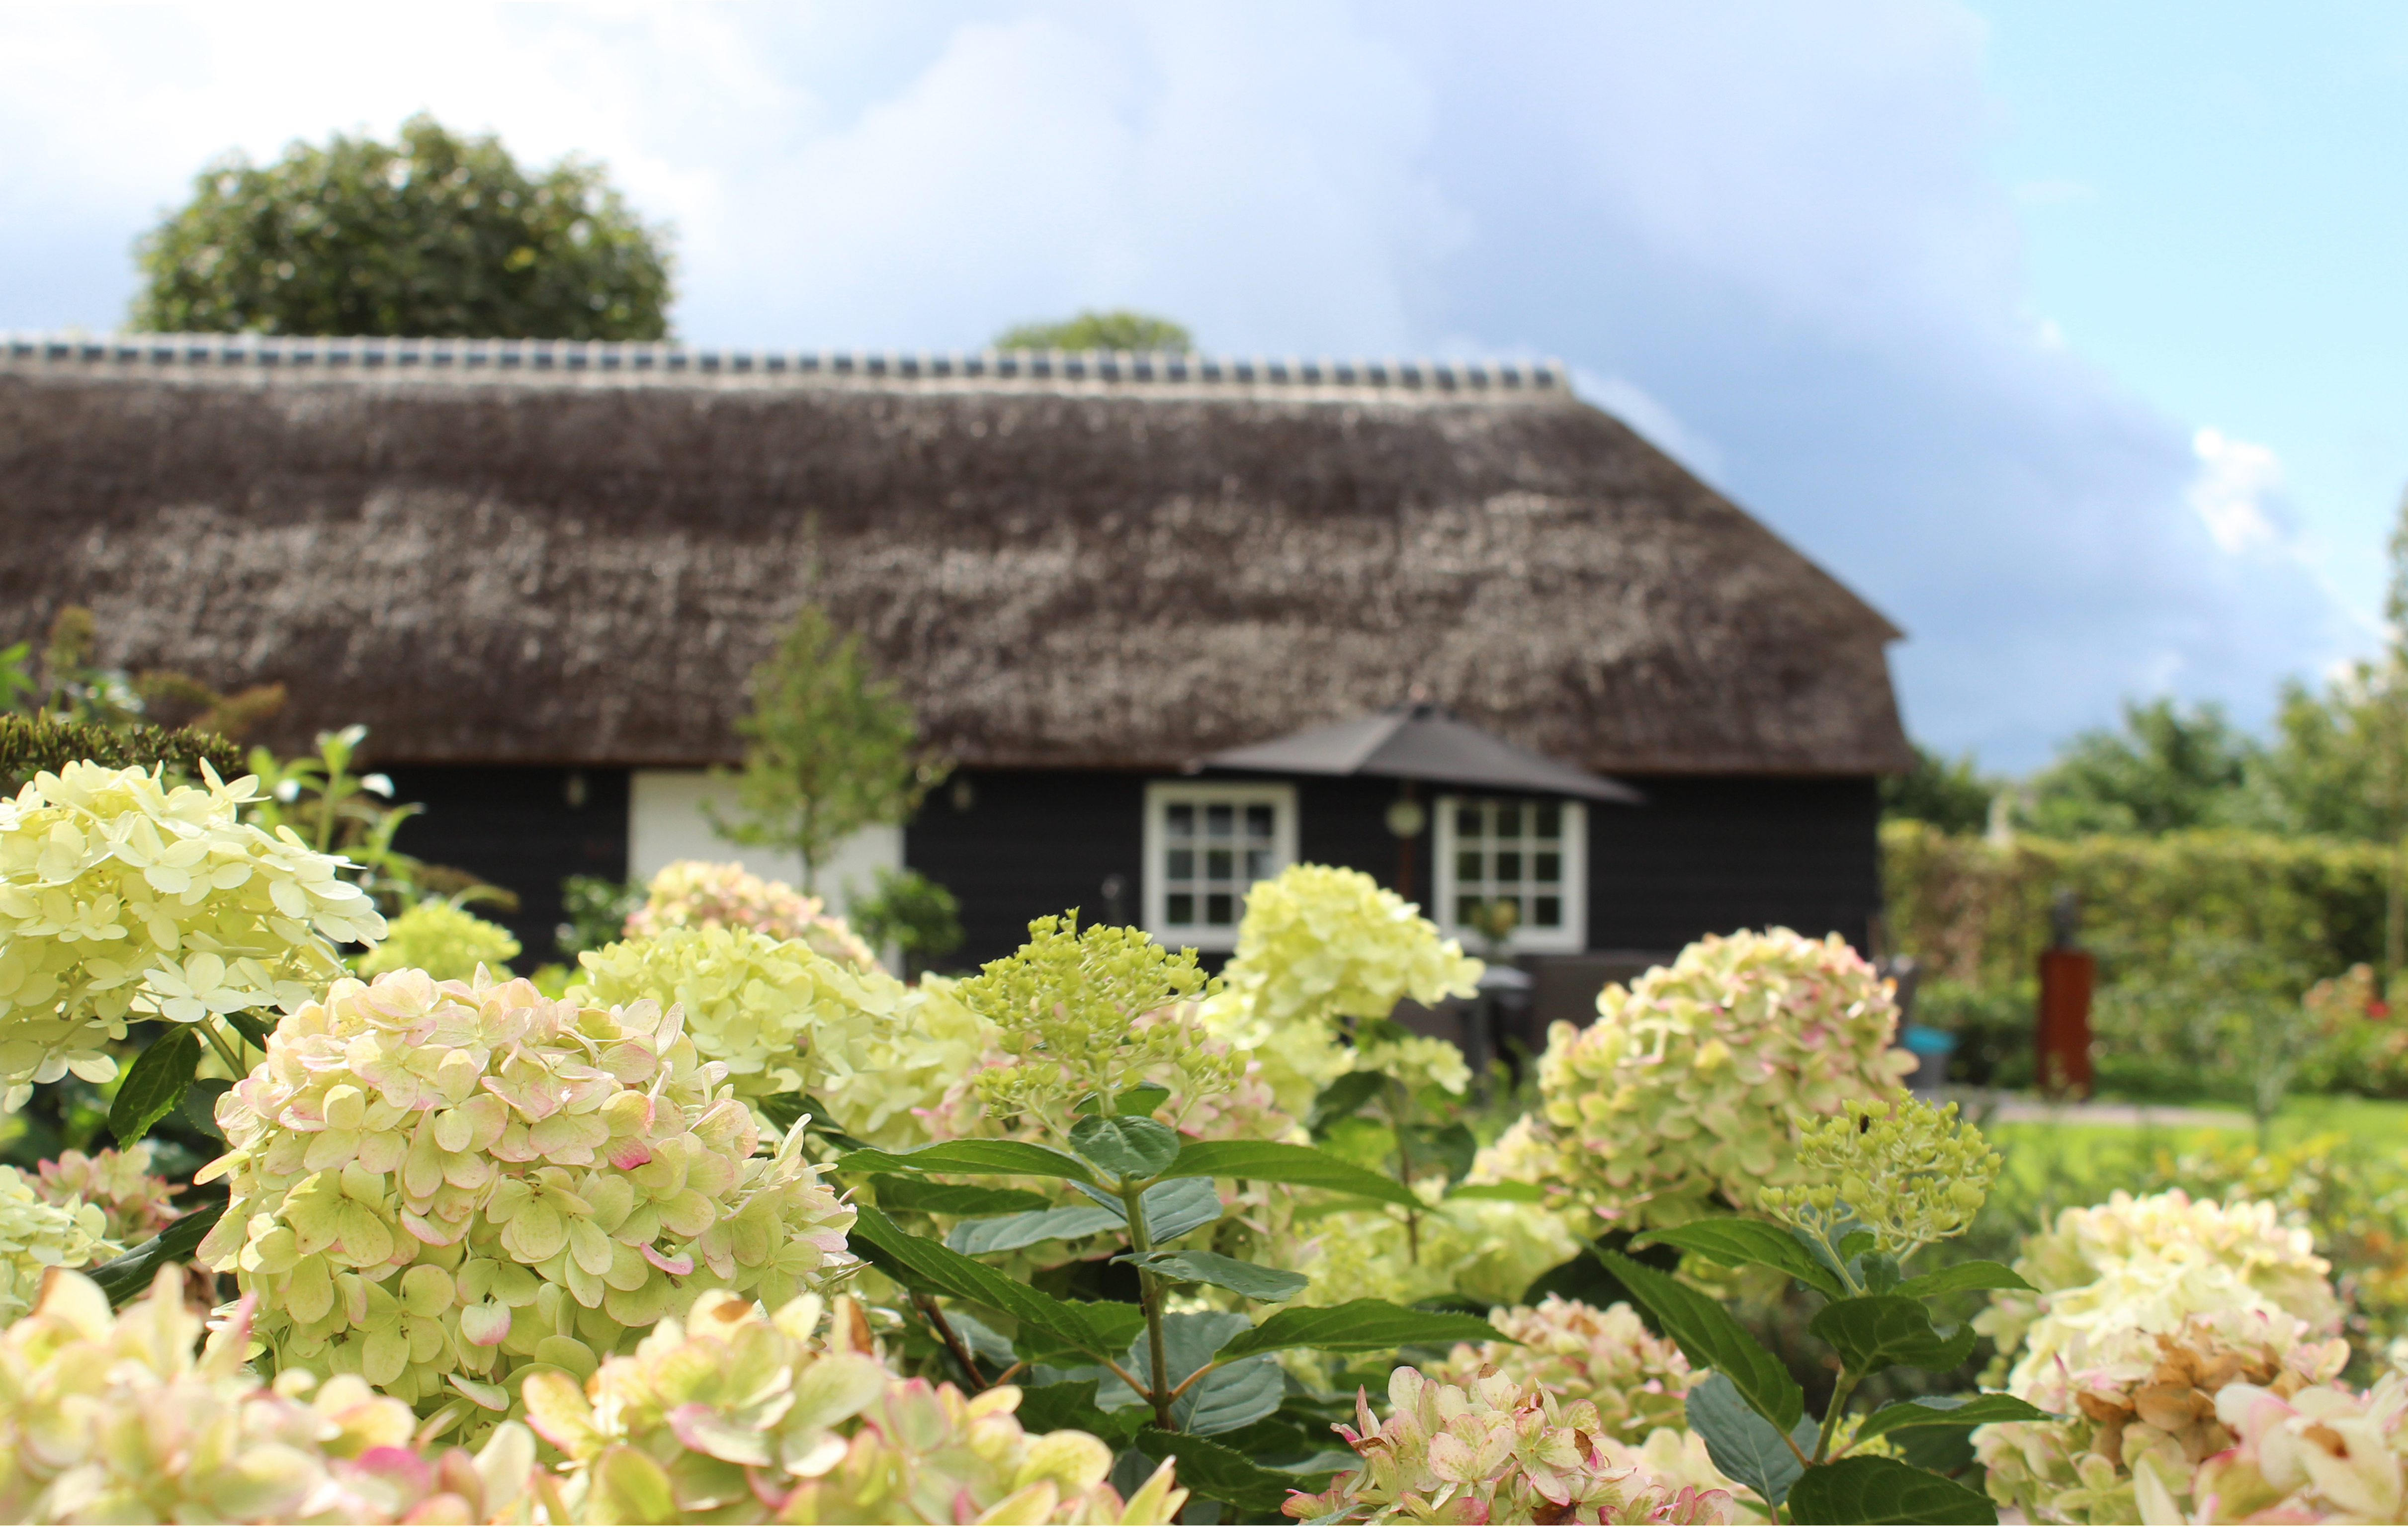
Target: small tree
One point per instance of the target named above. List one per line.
(435, 236)
(1114, 331)
(829, 749)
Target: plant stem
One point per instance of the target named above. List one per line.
(232, 1056)
(1839, 1393)
(1149, 1294)
(1400, 1106)
(935, 1316)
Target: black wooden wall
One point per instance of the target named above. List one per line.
(523, 828)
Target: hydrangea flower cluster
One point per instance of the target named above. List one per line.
(1496, 1450)
(733, 1416)
(779, 1014)
(38, 1233)
(1479, 1250)
(134, 1203)
(118, 895)
(1912, 1173)
(436, 1185)
(2130, 1415)
(449, 943)
(1318, 945)
(1637, 1380)
(2311, 1455)
(1690, 1083)
(114, 1419)
(694, 893)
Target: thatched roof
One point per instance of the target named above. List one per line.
(572, 554)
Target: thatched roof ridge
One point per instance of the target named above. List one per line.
(578, 560)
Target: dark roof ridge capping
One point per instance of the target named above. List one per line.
(563, 563)
(469, 359)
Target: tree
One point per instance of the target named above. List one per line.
(2167, 769)
(1950, 793)
(435, 236)
(829, 749)
(1119, 329)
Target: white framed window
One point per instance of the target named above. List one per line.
(1533, 853)
(1206, 842)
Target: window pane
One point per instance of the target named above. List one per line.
(1466, 908)
(1509, 820)
(1521, 913)
(1509, 867)
(1218, 909)
(1551, 867)
(1258, 822)
(1550, 913)
(1467, 863)
(1549, 822)
(1220, 818)
(1180, 908)
(1181, 819)
(1181, 866)
(1219, 864)
(1258, 865)
(1466, 822)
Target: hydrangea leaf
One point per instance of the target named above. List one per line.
(1341, 1098)
(1010, 1232)
(1883, 1490)
(126, 1279)
(1072, 1406)
(1233, 1395)
(1132, 1148)
(1298, 1166)
(1735, 1242)
(1711, 1338)
(154, 1084)
(904, 1190)
(1883, 1330)
(1221, 1474)
(1269, 1284)
(1507, 1193)
(1964, 1274)
(1949, 1410)
(1358, 1325)
(1003, 1158)
(1141, 1099)
(1745, 1445)
(953, 1273)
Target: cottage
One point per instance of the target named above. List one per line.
(540, 573)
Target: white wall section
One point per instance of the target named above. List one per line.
(666, 824)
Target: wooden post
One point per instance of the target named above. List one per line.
(2065, 981)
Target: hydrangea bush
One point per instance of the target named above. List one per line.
(121, 897)
(694, 893)
(1688, 1087)
(448, 942)
(436, 1185)
(134, 1203)
(1636, 1379)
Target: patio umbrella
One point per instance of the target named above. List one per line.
(1420, 741)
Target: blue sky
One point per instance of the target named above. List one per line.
(2068, 334)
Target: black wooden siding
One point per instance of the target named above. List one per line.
(516, 827)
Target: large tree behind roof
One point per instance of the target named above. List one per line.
(437, 235)
(1117, 330)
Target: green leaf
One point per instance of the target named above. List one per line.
(154, 1084)
(1949, 1410)
(1509, 1192)
(1232, 1395)
(1735, 1243)
(1003, 1158)
(252, 1027)
(1141, 1099)
(200, 1105)
(1710, 1338)
(1175, 1208)
(949, 1272)
(1883, 1330)
(1071, 1408)
(1115, 1324)
(1359, 1325)
(785, 1108)
(128, 1277)
(1219, 1473)
(925, 1197)
(1341, 1098)
(1298, 1166)
(985, 1237)
(1744, 1444)
(1134, 1149)
(1269, 1284)
(1453, 1145)
(1965, 1275)
(1883, 1490)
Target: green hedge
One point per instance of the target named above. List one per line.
(28, 747)
(1978, 911)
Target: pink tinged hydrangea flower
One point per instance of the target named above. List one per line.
(437, 1185)
(692, 893)
(135, 1203)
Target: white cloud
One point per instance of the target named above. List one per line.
(2233, 490)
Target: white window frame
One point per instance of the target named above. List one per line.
(1572, 937)
(1163, 794)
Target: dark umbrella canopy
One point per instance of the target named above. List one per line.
(1423, 742)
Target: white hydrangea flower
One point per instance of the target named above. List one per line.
(38, 1233)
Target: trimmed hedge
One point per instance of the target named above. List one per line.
(28, 747)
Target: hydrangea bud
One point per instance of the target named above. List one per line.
(732, 1416)
(1690, 1083)
(1496, 1450)
(134, 1203)
(120, 897)
(437, 1185)
(691, 893)
(449, 943)
(1911, 1174)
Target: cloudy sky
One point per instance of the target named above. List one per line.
(2070, 335)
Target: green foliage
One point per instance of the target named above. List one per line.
(596, 910)
(1950, 793)
(1117, 330)
(913, 913)
(829, 748)
(2167, 770)
(434, 235)
(29, 746)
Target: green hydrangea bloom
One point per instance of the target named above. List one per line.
(1690, 1083)
(1911, 1174)
(126, 1418)
(118, 895)
(1483, 1250)
(449, 943)
(134, 1202)
(780, 1016)
(732, 1416)
(437, 1185)
(38, 1233)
